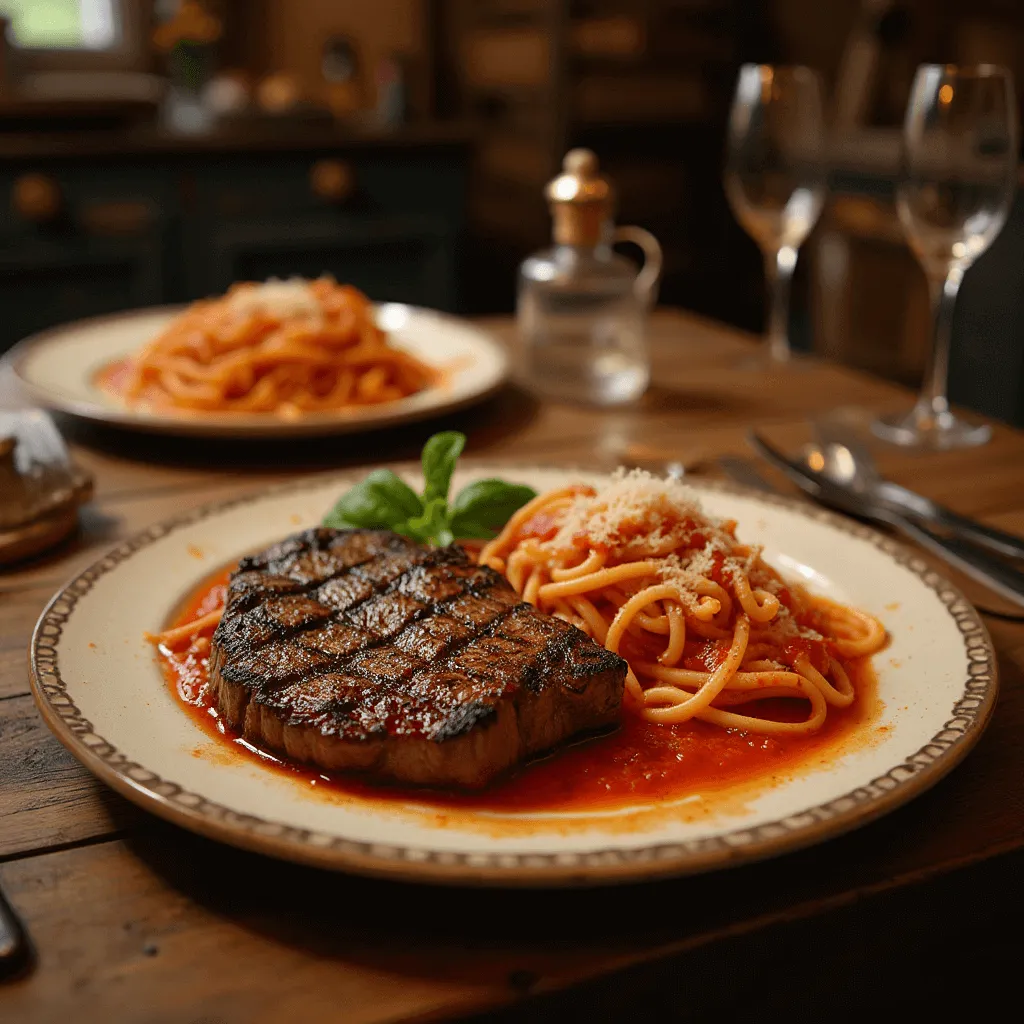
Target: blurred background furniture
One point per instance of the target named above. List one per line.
(106, 206)
(102, 222)
(449, 116)
(646, 85)
(866, 303)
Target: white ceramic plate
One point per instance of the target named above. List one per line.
(100, 689)
(58, 369)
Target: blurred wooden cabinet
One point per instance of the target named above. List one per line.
(397, 259)
(645, 83)
(45, 284)
(85, 231)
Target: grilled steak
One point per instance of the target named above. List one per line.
(360, 649)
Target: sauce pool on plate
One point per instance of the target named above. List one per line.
(639, 763)
(112, 378)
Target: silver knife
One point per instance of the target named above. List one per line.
(998, 576)
(917, 506)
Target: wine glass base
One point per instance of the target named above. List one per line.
(921, 430)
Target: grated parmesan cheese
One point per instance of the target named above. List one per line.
(282, 300)
(687, 569)
(638, 515)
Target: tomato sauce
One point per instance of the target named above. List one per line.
(113, 378)
(637, 763)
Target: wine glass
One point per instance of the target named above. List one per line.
(775, 177)
(959, 174)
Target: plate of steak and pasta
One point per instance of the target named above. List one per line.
(514, 675)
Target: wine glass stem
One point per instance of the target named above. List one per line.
(778, 272)
(933, 400)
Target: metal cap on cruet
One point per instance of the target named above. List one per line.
(581, 200)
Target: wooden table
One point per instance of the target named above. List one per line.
(135, 920)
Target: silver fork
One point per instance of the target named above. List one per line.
(847, 461)
(999, 576)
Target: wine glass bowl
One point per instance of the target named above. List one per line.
(959, 175)
(775, 175)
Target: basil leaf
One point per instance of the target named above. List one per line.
(432, 526)
(466, 529)
(382, 501)
(439, 456)
(482, 508)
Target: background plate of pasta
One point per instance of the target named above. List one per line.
(792, 675)
(272, 359)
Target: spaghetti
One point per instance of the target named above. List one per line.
(282, 347)
(709, 630)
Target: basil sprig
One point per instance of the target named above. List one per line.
(383, 501)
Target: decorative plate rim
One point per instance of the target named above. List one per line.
(314, 425)
(904, 781)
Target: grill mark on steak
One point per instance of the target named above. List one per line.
(368, 651)
(275, 663)
(388, 614)
(361, 604)
(292, 612)
(479, 611)
(336, 638)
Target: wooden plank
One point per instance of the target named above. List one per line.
(983, 482)
(14, 671)
(116, 476)
(48, 798)
(167, 465)
(118, 939)
(18, 609)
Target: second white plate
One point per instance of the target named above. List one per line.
(58, 369)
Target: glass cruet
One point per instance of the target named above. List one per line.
(582, 308)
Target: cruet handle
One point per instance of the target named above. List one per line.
(647, 280)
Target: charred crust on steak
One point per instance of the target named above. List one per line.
(342, 647)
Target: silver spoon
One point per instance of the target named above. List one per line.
(998, 575)
(850, 465)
